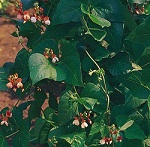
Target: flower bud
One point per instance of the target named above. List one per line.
(9, 85)
(47, 22)
(19, 85)
(33, 19)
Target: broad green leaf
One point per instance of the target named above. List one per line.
(132, 102)
(76, 139)
(3, 142)
(3, 78)
(67, 11)
(27, 4)
(40, 68)
(22, 137)
(46, 43)
(134, 132)
(70, 64)
(99, 127)
(114, 36)
(109, 10)
(138, 83)
(30, 31)
(44, 132)
(127, 125)
(20, 65)
(97, 19)
(87, 102)
(129, 19)
(119, 64)
(93, 91)
(135, 49)
(97, 34)
(141, 33)
(121, 120)
(35, 108)
(132, 143)
(144, 62)
(67, 108)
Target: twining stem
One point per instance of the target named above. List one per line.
(103, 79)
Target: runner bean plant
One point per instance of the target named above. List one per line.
(88, 62)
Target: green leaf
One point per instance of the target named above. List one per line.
(67, 11)
(40, 68)
(76, 139)
(67, 108)
(93, 91)
(97, 19)
(97, 34)
(119, 64)
(27, 4)
(121, 120)
(3, 142)
(30, 31)
(3, 78)
(144, 62)
(70, 64)
(44, 132)
(114, 36)
(138, 83)
(127, 125)
(46, 43)
(132, 143)
(35, 108)
(134, 132)
(129, 19)
(109, 10)
(22, 137)
(20, 65)
(141, 33)
(87, 102)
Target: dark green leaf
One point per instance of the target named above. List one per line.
(70, 64)
(134, 132)
(87, 102)
(3, 142)
(138, 83)
(35, 108)
(67, 109)
(40, 68)
(75, 139)
(141, 33)
(22, 137)
(93, 91)
(67, 11)
(46, 43)
(3, 78)
(97, 34)
(27, 4)
(119, 64)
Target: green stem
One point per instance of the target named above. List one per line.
(104, 81)
(12, 134)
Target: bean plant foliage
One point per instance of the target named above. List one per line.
(90, 61)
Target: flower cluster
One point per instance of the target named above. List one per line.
(114, 136)
(15, 82)
(50, 54)
(5, 118)
(83, 119)
(37, 16)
